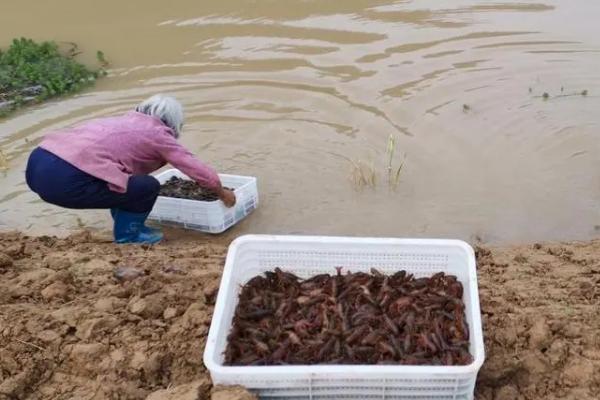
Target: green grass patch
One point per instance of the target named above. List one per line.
(31, 72)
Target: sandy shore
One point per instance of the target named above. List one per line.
(70, 330)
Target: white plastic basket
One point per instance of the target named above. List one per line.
(306, 256)
(206, 216)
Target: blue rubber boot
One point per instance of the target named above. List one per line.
(128, 228)
(144, 228)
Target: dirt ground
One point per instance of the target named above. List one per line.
(70, 329)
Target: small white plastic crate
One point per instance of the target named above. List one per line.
(306, 256)
(206, 216)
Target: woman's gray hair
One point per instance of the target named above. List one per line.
(165, 108)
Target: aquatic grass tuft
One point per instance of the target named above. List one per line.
(365, 174)
(4, 166)
(396, 181)
(31, 72)
(391, 149)
(393, 174)
(102, 60)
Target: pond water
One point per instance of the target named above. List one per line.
(300, 93)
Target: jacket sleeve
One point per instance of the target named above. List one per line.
(182, 159)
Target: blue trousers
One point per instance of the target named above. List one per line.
(60, 183)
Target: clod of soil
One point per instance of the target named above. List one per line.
(353, 318)
(540, 320)
(5, 261)
(74, 324)
(186, 189)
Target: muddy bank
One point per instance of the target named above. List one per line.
(541, 321)
(70, 329)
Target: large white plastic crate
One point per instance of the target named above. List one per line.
(307, 256)
(206, 216)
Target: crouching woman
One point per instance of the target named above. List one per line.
(104, 164)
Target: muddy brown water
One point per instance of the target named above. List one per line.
(290, 91)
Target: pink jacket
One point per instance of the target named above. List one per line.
(114, 148)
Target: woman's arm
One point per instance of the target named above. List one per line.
(181, 158)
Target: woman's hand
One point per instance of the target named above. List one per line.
(227, 197)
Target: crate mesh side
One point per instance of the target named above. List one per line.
(308, 263)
